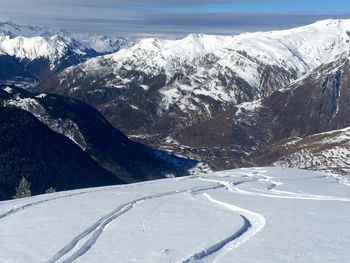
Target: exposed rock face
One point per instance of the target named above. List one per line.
(316, 103)
(309, 120)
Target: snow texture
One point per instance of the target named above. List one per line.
(243, 215)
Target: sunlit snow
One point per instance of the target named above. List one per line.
(243, 215)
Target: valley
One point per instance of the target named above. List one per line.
(174, 131)
(220, 100)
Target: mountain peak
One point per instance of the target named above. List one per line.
(53, 44)
(333, 24)
(14, 30)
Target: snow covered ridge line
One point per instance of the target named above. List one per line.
(199, 72)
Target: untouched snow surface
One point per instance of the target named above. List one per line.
(243, 215)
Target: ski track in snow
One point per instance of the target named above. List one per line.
(21, 208)
(39, 202)
(253, 223)
(82, 243)
(273, 193)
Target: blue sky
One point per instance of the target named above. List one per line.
(172, 18)
(267, 6)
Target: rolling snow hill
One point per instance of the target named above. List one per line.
(245, 215)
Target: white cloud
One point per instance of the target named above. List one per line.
(133, 17)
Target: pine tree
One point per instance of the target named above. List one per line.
(23, 189)
(50, 190)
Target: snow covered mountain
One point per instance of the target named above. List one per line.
(40, 49)
(245, 215)
(33, 43)
(309, 120)
(215, 97)
(286, 128)
(53, 48)
(102, 44)
(192, 77)
(14, 30)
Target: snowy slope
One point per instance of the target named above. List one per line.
(329, 151)
(34, 42)
(245, 215)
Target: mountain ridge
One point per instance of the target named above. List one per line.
(86, 127)
(27, 150)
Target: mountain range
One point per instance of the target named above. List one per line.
(37, 51)
(225, 101)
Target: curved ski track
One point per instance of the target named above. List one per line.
(271, 192)
(89, 237)
(20, 208)
(253, 223)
